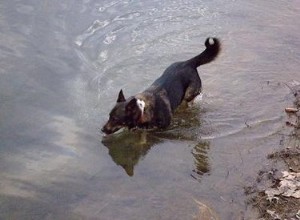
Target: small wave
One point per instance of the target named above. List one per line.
(226, 133)
(104, 7)
(128, 16)
(103, 55)
(97, 25)
(256, 129)
(109, 39)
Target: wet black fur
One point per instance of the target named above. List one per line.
(179, 82)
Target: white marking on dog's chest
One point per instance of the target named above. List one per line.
(141, 104)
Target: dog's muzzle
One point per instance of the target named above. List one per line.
(108, 129)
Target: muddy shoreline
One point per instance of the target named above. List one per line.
(276, 192)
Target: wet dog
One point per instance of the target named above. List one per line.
(154, 107)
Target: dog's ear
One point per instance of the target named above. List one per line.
(131, 106)
(121, 97)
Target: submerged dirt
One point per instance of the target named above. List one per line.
(276, 192)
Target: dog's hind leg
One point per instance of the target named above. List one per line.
(188, 103)
(193, 90)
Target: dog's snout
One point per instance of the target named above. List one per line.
(104, 129)
(107, 129)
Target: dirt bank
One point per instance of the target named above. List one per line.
(276, 192)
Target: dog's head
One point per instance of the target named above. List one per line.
(126, 113)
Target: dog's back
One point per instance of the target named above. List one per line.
(181, 80)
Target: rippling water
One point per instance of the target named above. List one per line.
(62, 66)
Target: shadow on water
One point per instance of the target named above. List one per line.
(129, 147)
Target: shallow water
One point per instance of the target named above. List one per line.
(62, 66)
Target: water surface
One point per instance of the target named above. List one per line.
(62, 66)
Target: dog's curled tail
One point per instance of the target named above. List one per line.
(213, 47)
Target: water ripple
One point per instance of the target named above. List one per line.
(109, 38)
(144, 29)
(258, 128)
(128, 16)
(97, 25)
(109, 5)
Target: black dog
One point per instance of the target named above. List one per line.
(154, 107)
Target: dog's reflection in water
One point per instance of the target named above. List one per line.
(127, 148)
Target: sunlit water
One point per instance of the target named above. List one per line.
(62, 66)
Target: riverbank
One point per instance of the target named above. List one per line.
(276, 192)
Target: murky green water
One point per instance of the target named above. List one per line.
(62, 66)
